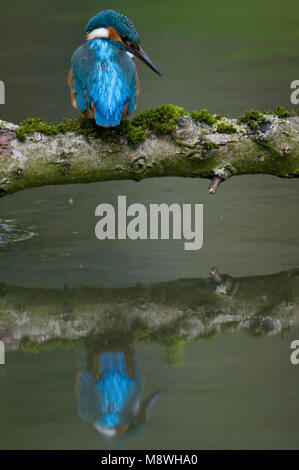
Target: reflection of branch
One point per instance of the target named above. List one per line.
(186, 148)
(167, 312)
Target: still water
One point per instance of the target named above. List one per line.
(235, 390)
(232, 392)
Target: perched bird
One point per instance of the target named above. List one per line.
(103, 79)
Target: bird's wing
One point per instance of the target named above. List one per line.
(83, 63)
(104, 80)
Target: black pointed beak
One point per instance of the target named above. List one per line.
(145, 58)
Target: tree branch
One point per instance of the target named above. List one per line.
(188, 149)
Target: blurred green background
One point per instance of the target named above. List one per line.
(227, 56)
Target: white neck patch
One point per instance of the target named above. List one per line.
(98, 33)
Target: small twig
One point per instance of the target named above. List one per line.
(214, 185)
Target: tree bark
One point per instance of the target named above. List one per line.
(189, 150)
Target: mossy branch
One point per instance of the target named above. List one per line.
(166, 141)
(168, 312)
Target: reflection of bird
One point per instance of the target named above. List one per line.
(143, 412)
(110, 390)
(103, 78)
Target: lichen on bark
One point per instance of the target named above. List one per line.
(166, 141)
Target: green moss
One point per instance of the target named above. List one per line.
(173, 345)
(265, 144)
(21, 134)
(252, 118)
(160, 120)
(203, 116)
(35, 125)
(208, 334)
(81, 126)
(167, 339)
(226, 128)
(174, 354)
(135, 134)
(280, 111)
(58, 343)
(210, 145)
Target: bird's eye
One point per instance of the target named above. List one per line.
(124, 38)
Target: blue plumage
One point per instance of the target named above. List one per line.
(110, 393)
(103, 78)
(109, 401)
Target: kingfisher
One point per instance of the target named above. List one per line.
(110, 390)
(103, 79)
